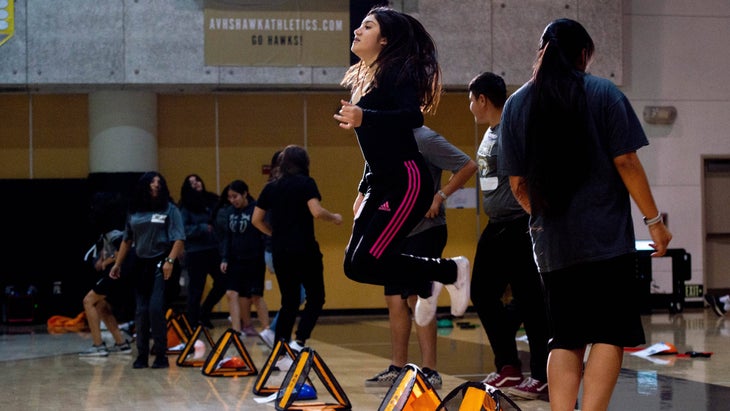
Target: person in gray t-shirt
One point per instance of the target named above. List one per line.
(155, 227)
(569, 148)
(427, 239)
(504, 258)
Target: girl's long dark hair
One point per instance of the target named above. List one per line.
(194, 200)
(240, 187)
(410, 54)
(558, 139)
(293, 160)
(142, 198)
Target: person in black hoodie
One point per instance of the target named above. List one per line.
(243, 262)
(201, 249)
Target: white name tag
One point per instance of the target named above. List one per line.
(489, 183)
(159, 218)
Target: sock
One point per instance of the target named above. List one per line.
(451, 277)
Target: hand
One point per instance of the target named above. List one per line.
(433, 211)
(661, 237)
(224, 267)
(115, 272)
(167, 270)
(349, 116)
(337, 219)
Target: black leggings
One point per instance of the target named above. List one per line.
(294, 271)
(149, 291)
(390, 210)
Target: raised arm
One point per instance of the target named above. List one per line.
(456, 181)
(321, 213)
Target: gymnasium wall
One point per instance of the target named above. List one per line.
(223, 137)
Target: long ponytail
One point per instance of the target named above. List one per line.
(558, 141)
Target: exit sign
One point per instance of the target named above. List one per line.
(693, 290)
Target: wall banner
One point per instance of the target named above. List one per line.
(277, 33)
(7, 15)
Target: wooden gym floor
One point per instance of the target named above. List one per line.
(42, 371)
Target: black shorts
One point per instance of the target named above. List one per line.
(429, 243)
(117, 291)
(596, 302)
(246, 277)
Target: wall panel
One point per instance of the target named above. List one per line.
(186, 137)
(14, 132)
(77, 42)
(60, 136)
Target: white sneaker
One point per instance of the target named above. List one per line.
(284, 362)
(295, 346)
(267, 336)
(178, 347)
(459, 290)
(425, 309)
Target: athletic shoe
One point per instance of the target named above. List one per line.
(206, 323)
(459, 290)
(123, 348)
(385, 378)
(95, 351)
(250, 331)
(508, 376)
(433, 377)
(529, 389)
(283, 363)
(160, 362)
(425, 309)
(267, 336)
(716, 306)
(128, 336)
(295, 346)
(175, 348)
(141, 362)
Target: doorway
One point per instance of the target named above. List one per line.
(716, 230)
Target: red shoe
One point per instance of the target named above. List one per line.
(250, 331)
(530, 389)
(508, 376)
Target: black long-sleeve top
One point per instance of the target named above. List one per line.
(391, 111)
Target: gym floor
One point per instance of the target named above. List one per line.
(42, 371)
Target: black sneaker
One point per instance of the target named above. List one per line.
(95, 351)
(123, 348)
(206, 323)
(385, 378)
(433, 378)
(140, 362)
(160, 362)
(717, 306)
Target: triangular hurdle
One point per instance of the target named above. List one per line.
(411, 391)
(179, 325)
(184, 360)
(280, 348)
(477, 396)
(296, 377)
(211, 366)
